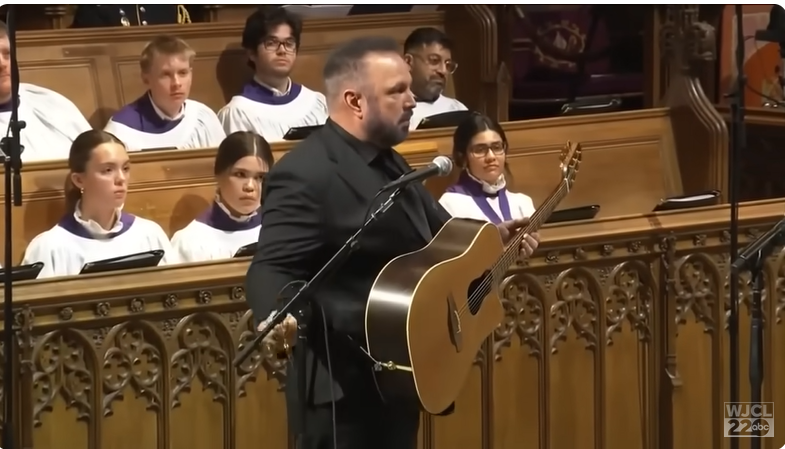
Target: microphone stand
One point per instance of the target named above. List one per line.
(11, 149)
(735, 150)
(299, 306)
(753, 258)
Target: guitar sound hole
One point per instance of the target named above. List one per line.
(478, 290)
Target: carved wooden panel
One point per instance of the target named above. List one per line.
(614, 337)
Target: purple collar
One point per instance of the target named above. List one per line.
(217, 218)
(260, 94)
(141, 116)
(468, 186)
(69, 223)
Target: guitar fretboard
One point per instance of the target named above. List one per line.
(535, 223)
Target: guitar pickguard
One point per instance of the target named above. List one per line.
(454, 324)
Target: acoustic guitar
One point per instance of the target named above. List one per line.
(430, 310)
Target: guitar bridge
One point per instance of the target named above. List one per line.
(454, 323)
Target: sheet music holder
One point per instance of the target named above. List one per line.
(145, 259)
(710, 198)
(444, 120)
(246, 251)
(300, 132)
(591, 106)
(23, 272)
(574, 214)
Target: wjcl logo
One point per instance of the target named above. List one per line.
(746, 420)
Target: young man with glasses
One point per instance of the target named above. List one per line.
(428, 52)
(271, 103)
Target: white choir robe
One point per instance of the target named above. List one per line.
(214, 235)
(468, 199)
(141, 126)
(425, 109)
(260, 110)
(71, 243)
(52, 121)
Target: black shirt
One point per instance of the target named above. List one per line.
(389, 168)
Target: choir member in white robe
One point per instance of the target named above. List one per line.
(52, 121)
(271, 103)
(164, 117)
(94, 227)
(480, 149)
(233, 220)
(428, 52)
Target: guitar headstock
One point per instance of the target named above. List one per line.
(570, 162)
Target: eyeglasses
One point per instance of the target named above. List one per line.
(435, 60)
(498, 148)
(273, 44)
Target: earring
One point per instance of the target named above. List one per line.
(81, 190)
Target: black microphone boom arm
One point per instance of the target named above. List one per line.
(757, 251)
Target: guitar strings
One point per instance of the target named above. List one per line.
(513, 248)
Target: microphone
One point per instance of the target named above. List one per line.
(761, 245)
(441, 166)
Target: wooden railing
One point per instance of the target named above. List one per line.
(615, 337)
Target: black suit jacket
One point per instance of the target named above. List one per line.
(314, 199)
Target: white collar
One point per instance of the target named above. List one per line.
(491, 189)
(276, 92)
(163, 115)
(93, 227)
(240, 219)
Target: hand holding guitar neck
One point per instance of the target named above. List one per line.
(508, 229)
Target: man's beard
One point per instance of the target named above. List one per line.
(382, 133)
(429, 91)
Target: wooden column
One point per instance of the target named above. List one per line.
(687, 48)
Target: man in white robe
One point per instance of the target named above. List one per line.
(271, 104)
(52, 121)
(164, 117)
(428, 52)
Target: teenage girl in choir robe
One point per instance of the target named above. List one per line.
(164, 116)
(233, 220)
(94, 226)
(271, 103)
(480, 150)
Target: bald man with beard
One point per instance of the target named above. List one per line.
(314, 199)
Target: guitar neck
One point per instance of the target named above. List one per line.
(536, 221)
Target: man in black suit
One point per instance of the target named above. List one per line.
(314, 199)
